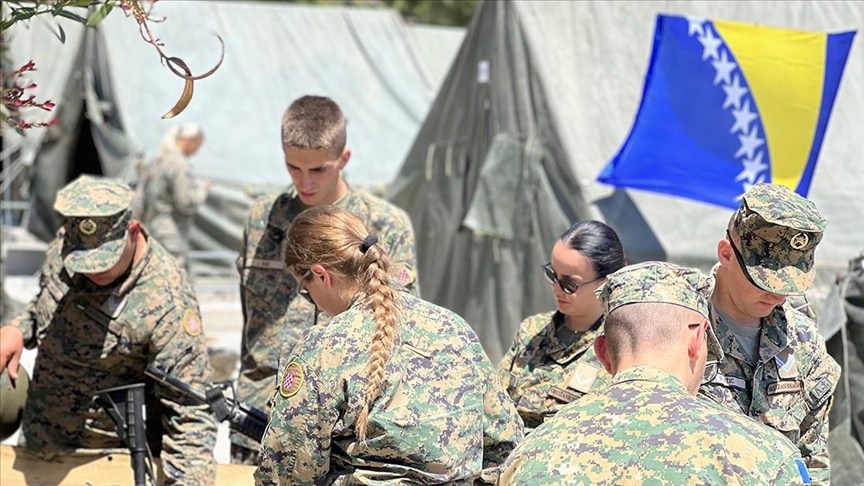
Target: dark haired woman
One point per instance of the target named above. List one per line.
(552, 360)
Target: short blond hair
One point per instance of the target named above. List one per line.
(314, 123)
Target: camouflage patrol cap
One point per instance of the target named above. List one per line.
(96, 221)
(662, 283)
(779, 231)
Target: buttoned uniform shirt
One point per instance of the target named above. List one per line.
(274, 315)
(645, 428)
(542, 373)
(92, 338)
(441, 416)
(789, 389)
(170, 194)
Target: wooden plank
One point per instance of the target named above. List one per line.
(19, 467)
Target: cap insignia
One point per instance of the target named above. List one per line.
(88, 226)
(799, 241)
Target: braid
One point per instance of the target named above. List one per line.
(383, 302)
(338, 240)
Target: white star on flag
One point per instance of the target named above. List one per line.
(752, 168)
(695, 25)
(724, 68)
(734, 92)
(709, 45)
(749, 143)
(743, 118)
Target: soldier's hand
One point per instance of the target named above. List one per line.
(11, 346)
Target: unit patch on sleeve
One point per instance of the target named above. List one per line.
(292, 380)
(192, 323)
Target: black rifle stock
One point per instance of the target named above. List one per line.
(243, 418)
(125, 406)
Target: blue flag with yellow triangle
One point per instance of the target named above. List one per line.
(727, 105)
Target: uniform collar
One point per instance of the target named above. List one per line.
(564, 352)
(653, 375)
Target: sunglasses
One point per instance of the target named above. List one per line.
(303, 292)
(567, 285)
(740, 259)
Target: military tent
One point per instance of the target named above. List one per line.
(111, 91)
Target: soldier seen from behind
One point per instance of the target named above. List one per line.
(111, 302)
(314, 138)
(392, 388)
(648, 426)
(776, 368)
(552, 360)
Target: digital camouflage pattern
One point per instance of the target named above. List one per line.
(442, 415)
(96, 220)
(274, 315)
(92, 338)
(779, 233)
(169, 193)
(789, 390)
(647, 429)
(543, 372)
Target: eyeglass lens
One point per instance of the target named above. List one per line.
(568, 286)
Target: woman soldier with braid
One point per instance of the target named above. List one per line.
(391, 389)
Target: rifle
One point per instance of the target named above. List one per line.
(243, 418)
(125, 406)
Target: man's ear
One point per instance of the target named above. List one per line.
(697, 341)
(343, 159)
(725, 253)
(602, 353)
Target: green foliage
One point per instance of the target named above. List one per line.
(20, 10)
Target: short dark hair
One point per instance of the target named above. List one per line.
(314, 123)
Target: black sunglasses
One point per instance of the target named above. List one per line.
(740, 259)
(568, 286)
(303, 292)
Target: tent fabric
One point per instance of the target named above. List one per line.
(382, 72)
(555, 86)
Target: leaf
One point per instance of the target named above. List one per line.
(61, 34)
(100, 14)
(80, 3)
(23, 13)
(72, 16)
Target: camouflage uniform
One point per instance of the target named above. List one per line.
(646, 428)
(790, 388)
(442, 415)
(170, 194)
(274, 316)
(542, 373)
(91, 338)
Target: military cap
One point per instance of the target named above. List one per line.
(97, 214)
(779, 231)
(661, 282)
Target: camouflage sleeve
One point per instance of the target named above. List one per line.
(33, 328)
(189, 429)
(793, 472)
(503, 428)
(819, 387)
(506, 365)
(187, 190)
(296, 446)
(403, 251)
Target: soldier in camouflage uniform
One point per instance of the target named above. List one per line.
(274, 318)
(111, 302)
(776, 368)
(552, 360)
(648, 427)
(392, 388)
(168, 192)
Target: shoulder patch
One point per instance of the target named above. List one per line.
(192, 323)
(292, 380)
(802, 470)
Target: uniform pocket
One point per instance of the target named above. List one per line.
(786, 412)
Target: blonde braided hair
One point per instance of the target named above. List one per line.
(335, 239)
